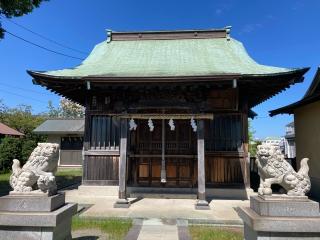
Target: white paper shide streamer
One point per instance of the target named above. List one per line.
(132, 125)
(193, 124)
(171, 124)
(150, 124)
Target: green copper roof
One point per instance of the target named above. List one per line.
(161, 58)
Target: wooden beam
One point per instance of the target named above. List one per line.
(166, 116)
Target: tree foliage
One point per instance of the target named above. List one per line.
(21, 119)
(10, 148)
(16, 8)
(253, 143)
(66, 109)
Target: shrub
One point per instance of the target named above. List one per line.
(10, 148)
(27, 147)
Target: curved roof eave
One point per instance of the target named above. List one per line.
(44, 75)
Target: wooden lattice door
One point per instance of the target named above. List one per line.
(146, 154)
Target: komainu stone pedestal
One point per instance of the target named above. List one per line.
(280, 217)
(31, 217)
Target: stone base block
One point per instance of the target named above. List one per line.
(254, 235)
(61, 232)
(282, 207)
(31, 203)
(55, 225)
(202, 205)
(276, 228)
(121, 203)
(283, 197)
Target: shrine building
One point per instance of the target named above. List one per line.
(167, 111)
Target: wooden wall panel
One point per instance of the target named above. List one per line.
(101, 168)
(223, 170)
(223, 99)
(70, 157)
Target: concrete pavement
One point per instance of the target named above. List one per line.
(221, 212)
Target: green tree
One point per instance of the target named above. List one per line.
(66, 109)
(3, 107)
(252, 142)
(16, 8)
(27, 146)
(10, 148)
(52, 111)
(21, 119)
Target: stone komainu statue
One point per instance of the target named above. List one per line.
(37, 175)
(274, 169)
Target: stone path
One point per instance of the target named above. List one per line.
(148, 229)
(156, 229)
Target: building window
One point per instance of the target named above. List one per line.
(71, 143)
(224, 133)
(105, 132)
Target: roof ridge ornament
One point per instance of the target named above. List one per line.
(228, 30)
(109, 35)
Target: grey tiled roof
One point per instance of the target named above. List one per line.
(61, 126)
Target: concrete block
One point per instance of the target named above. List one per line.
(121, 203)
(31, 203)
(253, 235)
(283, 197)
(38, 219)
(61, 232)
(276, 207)
(202, 205)
(55, 225)
(279, 224)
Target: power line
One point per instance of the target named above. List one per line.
(24, 89)
(19, 95)
(46, 38)
(42, 47)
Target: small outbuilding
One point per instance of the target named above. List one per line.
(307, 130)
(8, 131)
(68, 133)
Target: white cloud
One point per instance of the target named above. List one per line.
(250, 27)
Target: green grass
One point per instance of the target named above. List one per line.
(212, 233)
(114, 228)
(64, 178)
(68, 177)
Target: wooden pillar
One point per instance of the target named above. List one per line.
(86, 137)
(246, 156)
(201, 204)
(163, 160)
(122, 201)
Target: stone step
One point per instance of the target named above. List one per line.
(162, 190)
(162, 195)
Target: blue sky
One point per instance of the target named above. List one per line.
(279, 33)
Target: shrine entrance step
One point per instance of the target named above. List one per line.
(166, 193)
